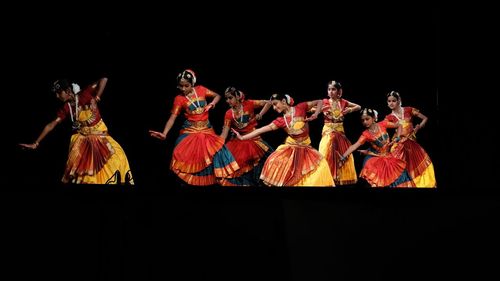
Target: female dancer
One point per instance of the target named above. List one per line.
(418, 162)
(94, 156)
(380, 167)
(200, 155)
(296, 162)
(249, 154)
(334, 141)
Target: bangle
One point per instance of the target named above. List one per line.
(97, 98)
(36, 144)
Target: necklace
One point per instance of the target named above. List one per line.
(336, 112)
(239, 123)
(374, 130)
(197, 106)
(292, 113)
(401, 112)
(76, 123)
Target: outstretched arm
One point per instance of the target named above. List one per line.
(46, 130)
(257, 132)
(101, 84)
(351, 149)
(168, 126)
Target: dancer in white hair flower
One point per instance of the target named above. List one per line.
(94, 156)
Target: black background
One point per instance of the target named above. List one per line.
(295, 51)
(159, 229)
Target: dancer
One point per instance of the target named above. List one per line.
(296, 162)
(249, 154)
(94, 156)
(418, 162)
(333, 139)
(200, 156)
(380, 167)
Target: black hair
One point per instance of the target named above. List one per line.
(394, 94)
(335, 84)
(60, 85)
(233, 91)
(187, 75)
(280, 97)
(370, 112)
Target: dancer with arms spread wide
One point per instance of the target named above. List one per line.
(296, 162)
(94, 156)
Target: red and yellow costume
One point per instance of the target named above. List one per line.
(94, 156)
(200, 155)
(418, 162)
(334, 143)
(296, 162)
(249, 154)
(380, 167)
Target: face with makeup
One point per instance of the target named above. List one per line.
(185, 86)
(392, 102)
(334, 93)
(367, 120)
(280, 106)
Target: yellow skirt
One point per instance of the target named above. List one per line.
(296, 165)
(96, 158)
(333, 144)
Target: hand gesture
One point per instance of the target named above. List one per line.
(342, 160)
(236, 133)
(32, 146)
(158, 135)
(312, 117)
(346, 110)
(208, 107)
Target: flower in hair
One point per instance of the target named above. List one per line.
(76, 88)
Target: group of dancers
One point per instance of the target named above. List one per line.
(202, 158)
